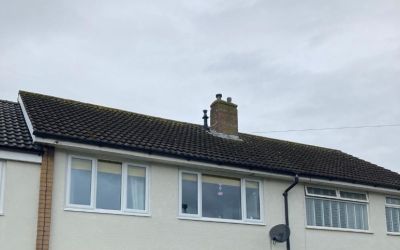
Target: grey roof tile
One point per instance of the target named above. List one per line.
(74, 121)
(14, 133)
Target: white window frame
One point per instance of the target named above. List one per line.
(2, 185)
(338, 198)
(199, 216)
(337, 191)
(387, 205)
(124, 177)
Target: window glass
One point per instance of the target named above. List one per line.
(221, 197)
(136, 188)
(393, 201)
(81, 181)
(338, 214)
(109, 175)
(189, 193)
(253, 200)
(393, 215)
(353, 196)
(321, 191)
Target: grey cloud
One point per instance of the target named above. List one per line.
(287, 64)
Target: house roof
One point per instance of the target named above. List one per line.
(61, 119)
(14, 133)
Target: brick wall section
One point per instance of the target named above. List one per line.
(224, 117)
(45, 199)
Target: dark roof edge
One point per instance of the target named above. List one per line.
(104, 107)
(173, 154)
(153, 117)
(21, 150)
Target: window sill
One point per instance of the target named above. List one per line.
(101, 211)
(222, 220)
(393, 234)
(339, 229)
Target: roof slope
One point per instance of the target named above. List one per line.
(74, 121)
(14, 134)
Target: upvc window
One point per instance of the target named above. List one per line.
(333, 208)
(2, 180)
(219, 197)
(107, 186)
(393, 214)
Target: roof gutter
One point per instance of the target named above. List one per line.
(285, 195)
(209, 166)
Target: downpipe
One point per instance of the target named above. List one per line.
(285, 195)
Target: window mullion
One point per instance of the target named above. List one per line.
(243, 198)
(124, 182)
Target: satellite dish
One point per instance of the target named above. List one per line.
(280, 233)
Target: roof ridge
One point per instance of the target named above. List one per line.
(107, 108)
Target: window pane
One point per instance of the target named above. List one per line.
(319, 220)
(351, 217)
(221, 197)
(136, 189)
(310, 211)
(343, 215)
(365, 217)
(359, 215)
(354, 196)
(109, 185)
(395, 218)
(253, 200)
(393, 201)
(189, 193)
(81, 181)
(337, 214)
(321, 191)
(389, 219)
(327, 213)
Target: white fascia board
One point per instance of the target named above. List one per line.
(19, 156)
(27, 120)
(208, 166)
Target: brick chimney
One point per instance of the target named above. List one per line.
(224, 116)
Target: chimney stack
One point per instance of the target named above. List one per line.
(224, 116)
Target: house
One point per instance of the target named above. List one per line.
(81, 176)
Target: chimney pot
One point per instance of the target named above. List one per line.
(219, 96)
(229, 99)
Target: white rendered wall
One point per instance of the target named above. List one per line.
(163, 230)
(21, 198)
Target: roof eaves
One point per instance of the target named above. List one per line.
(174, 154)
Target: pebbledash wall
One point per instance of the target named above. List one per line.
(164, 230)
(18, 222)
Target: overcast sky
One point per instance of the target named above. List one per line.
(287, 64)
